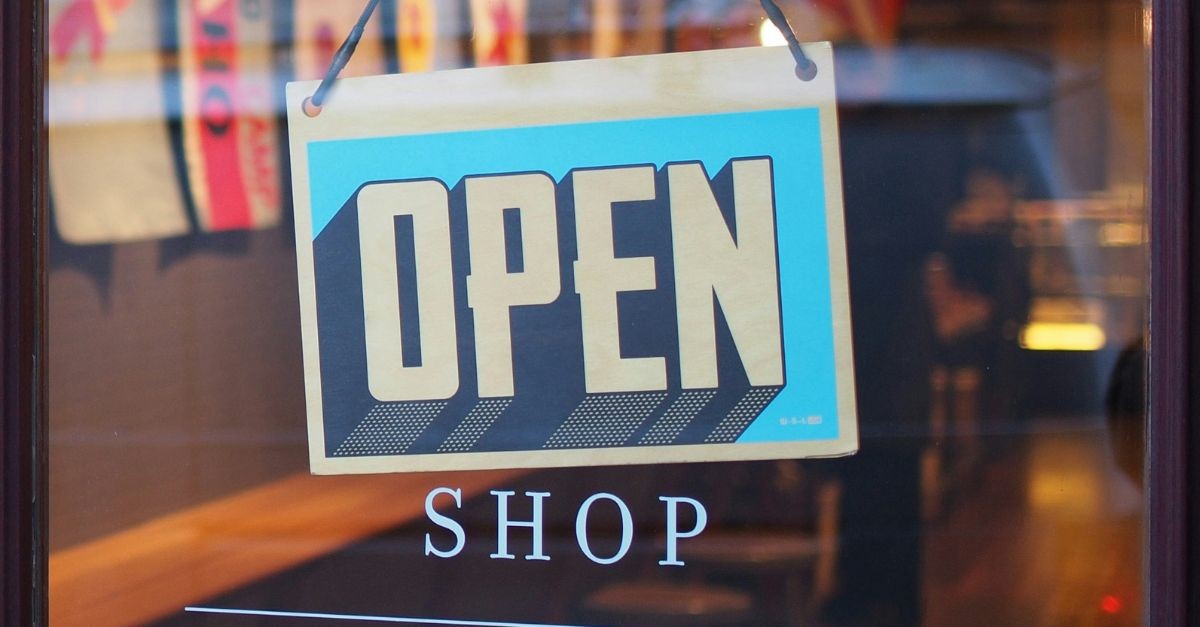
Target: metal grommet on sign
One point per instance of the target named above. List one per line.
(806, 69)
(806, 72)
(310, 108)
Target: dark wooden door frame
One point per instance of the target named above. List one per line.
(1172, 210)
(22, 309)
(1173, 475)
(1188, 173)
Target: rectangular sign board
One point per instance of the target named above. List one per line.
(620, 261)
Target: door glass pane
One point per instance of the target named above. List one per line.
(993, 158)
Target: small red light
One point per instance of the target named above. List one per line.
(1110, 604)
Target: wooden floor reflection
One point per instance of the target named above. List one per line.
(1043, 530)
(1048, 534)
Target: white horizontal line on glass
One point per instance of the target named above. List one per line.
(376, 619)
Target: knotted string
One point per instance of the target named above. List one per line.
(312, 105)
(806, 70)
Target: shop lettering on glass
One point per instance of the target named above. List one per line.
(572, 290)
(451, 537)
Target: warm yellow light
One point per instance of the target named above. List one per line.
(1147, 25)
(1061, 480)
(1122, 234)
(1063, 336)
(769, 35)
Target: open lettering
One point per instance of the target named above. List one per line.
(723, 258)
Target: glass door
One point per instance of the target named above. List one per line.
(994, 164)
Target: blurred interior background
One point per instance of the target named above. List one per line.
(994, 161)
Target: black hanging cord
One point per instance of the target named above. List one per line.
(806, 70)
(312, 106)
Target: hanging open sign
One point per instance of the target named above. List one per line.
(634, 260)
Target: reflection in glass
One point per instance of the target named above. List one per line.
(993, 157)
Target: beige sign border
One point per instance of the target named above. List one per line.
(667, 85)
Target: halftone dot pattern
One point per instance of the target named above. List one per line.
(679, 415)
(389, 429)
(477, 422)
(742, 414)
(605, 420)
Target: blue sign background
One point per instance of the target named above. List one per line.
(790, 137)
